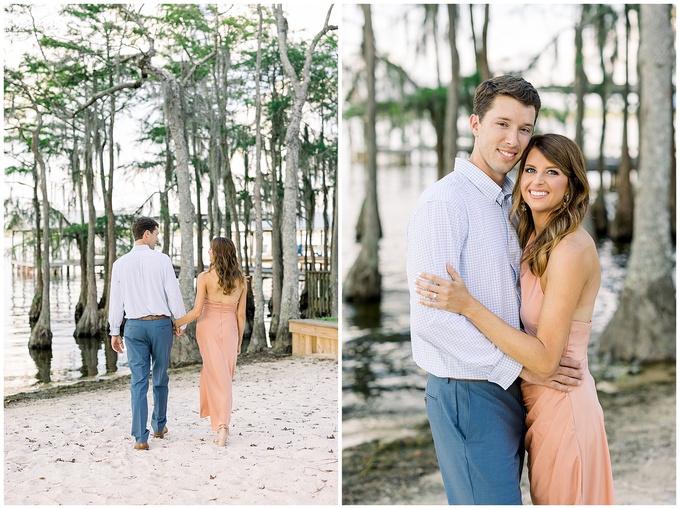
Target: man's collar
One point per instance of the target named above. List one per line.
(483, 182)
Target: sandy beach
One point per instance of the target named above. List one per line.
(74, 447)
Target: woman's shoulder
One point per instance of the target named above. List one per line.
(207, 277)
(575, 246)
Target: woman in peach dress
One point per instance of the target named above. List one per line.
(220, 308)
(560, 276)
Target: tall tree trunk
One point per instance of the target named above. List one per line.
(621, 228)
(166, 223)
(438, 117)
(258, 339)
(200, 267)
(672, 187)
(581, 80)
(481, 57)
(363, 281)
(81, 236)
(231, 199)
(88, 325)
(277, 141)
(107, 192)
(277, 247)
(214, 215)
(450, 122)
(111, 254)
(250, 298)
(326, 222)
(598, 209)
(334, 254)
(247, 206)
(300, 86)
(230, 196)
(41, 333)
(36, 304)
(185, 349)
(643, 327)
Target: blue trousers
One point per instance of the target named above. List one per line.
(478, 430)
(148, 344)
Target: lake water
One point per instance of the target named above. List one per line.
(70, 359)
(381, 385)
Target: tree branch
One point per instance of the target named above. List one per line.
(107, 92)
(282, 31)
(198, 64)
(310, 51)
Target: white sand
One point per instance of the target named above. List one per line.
(283, 449)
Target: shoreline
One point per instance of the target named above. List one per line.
(399, 467)
(112, 382)
(71, 444)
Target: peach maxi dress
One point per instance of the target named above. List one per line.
(217, 336)
(566, 441)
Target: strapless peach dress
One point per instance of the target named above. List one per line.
(566, 441)
(217, 336)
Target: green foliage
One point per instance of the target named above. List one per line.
(22, 170)
(157, 134)
(97, 46)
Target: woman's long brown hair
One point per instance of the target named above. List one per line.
(566, 155)
(225, 263)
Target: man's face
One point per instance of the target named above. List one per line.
(501, 136)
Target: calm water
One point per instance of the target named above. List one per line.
(70, 359)
(379, 378)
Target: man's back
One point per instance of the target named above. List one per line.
(143, 283)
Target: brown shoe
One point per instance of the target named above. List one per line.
(143, 446)
(161, 434)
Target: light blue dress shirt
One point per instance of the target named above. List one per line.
(143, 283)
(463, 219)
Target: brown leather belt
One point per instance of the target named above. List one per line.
(152, 317)
(467, 380)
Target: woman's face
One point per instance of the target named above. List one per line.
(543, 184)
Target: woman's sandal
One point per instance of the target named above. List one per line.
(222, 435)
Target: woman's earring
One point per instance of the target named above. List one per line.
(566, 198)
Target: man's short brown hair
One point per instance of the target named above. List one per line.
(511, 86)
(142, 224)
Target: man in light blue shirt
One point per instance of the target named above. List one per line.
(144, 288)
(473, 398)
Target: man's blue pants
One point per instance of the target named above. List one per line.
(148, 344)
(478, 430)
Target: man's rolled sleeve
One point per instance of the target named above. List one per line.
(505, 372)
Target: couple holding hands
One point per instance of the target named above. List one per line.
(145, 290)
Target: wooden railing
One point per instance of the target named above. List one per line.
(319, 298)
(314, 337)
